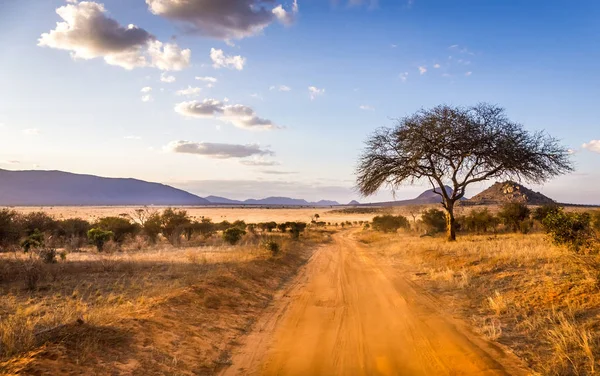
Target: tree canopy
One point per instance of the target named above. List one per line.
(458, 146)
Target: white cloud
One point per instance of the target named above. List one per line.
(87, 32)
(147, 98)
(315, 92)
(146, 89)
(593, 145)
(223, 19)
(217, 150)
(257, 96)
(366, 108)
(281, 88)
(209, 79)
(239, 115)
(190, 91)
(403, 76)
(422, 70)
(220, 60)
(437, 66)
(10, 162)
(31, 131)
(276, 172)
(393, 45)
(286, 17)
(468, 74)
(167, 78)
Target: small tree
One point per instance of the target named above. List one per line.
(513, 215)
(480, 221)
(296, 228)
(174, 223)
(233, 235)
(34, 241)
(434, 220)
(99, 237)
(457, 146)
(282, 227)
(10, 227)
(571, 229)
(152, 226)
(119, 226)
(389, 223)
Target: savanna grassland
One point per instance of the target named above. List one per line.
(152, 292)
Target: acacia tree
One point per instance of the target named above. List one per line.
(457, 146)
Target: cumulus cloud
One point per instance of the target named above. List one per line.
(403, 76)
(220, 60)
(189, 92)
(147, 98)
(239, 115)
(224, 19)
(217, 150)
(146, 89)
(87, 32)
(422, 70)
(286, 17)
(593, 145)
(366, 108)
(167, 78)
(315, 92)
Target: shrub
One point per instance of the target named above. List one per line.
(120, 227)
(233, 235)
(39, 221)
(73, 227)
(282, 227)
(10, 227)
(205, 227)
(48, 256)
(571, 229)
(434, 220)
(271, 246)
(540, 213)
(390, 223)
(99, 237)
(152, 227)
(296, 228)
(512, 214)
(267, 226)
(480, 221)
(239, 224)
(33, 241)
(174, 223)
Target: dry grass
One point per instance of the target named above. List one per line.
(163, 310)
(520, 290)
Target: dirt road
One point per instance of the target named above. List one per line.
(348, 314)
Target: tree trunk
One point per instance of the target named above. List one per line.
(450, 222)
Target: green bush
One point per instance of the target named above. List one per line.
(152, 227)
(73, 228)
(34, 241)
(512, 214)
(120, 227)
(173, 224)
(540, 213)
(479, 221)
(390, 223)
(233, 235)
(434, 220)
(573, 230)
(99, 237)
(296, 228)
(39, 221)
(10, 228)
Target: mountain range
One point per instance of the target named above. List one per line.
(58, 188)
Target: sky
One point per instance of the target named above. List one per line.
(249, 99)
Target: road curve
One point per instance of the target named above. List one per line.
(347, 314)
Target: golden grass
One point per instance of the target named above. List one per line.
(93, 309)
(520, 290)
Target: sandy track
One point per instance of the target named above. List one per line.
(347, 314)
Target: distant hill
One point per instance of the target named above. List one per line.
(509, 191)
(353, 203)
(427, 197)
(48, 188)
(273, 201)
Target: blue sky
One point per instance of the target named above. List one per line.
(264, 135)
